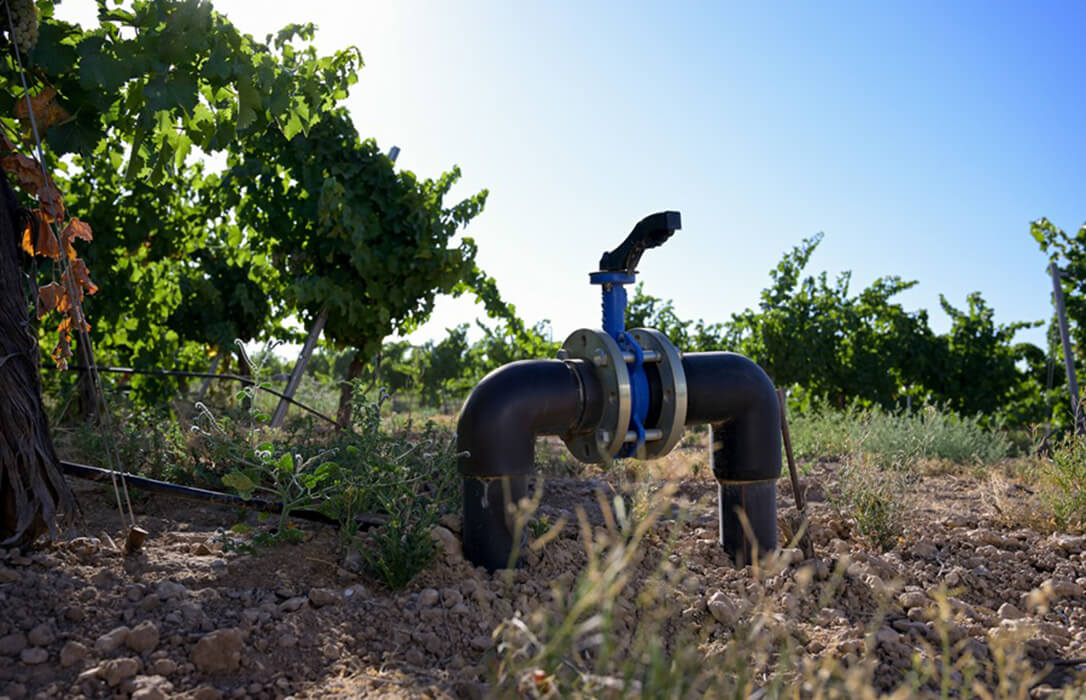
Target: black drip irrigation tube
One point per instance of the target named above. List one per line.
(248, 381)
(84, 471)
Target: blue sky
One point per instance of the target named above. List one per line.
(921, 137)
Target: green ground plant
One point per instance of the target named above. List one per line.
(1061, 480)
(875, 499)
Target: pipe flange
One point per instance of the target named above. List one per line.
(602, 351)
(673, 391)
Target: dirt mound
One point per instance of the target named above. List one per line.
(192, 615)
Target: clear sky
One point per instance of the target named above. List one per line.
(921, 137)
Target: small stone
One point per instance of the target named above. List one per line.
(143, 637)
(164, 667)
(1063, 588)
(111, 641)
(319, 597)
(482, 642)
(428, 597)
(206, 692)
(42, 635)
(168, 589)
(723, 609)
(1009, 612)
(8, 575)
(151, 688)
(288, 641)
(218, 651)
(34, 656)
(450, 521)
(447, 542)
(912, 599)
(72, 653)
(292, 604)
(103, 578)
(116, 670)
(887, 636)
(12, 644)
(924, 550)
(451, 597)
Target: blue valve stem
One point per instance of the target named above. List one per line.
(613, 286)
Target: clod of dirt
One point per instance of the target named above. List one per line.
(219, 651)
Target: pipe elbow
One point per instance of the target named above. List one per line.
(509, 408)
(734, 395)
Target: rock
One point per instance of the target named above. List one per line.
(42, 635)
(292, 604)
(151, 688)
(143, 637)
(1072, 544)
(218, 651)
(33, 656)
(924, 550)
(8, 575)
(164, 667)
(1009, 612)
(428, 597)
(887, 636)
(723, 609)
(451, 597)
(912, 599)
(447, 542)
(168, 590)
(111, 641)
(1062, 588)
(206, 692)
(72, 653)
(319, 597)
(12, 644)
(482, 642)
(287, 641)
(450, 521)
(116, 670)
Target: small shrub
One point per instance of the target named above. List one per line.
(402, 547)
(1061, 483)
(876, 500)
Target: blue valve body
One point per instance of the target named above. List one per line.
(614, 324)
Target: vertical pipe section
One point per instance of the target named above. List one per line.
(739, 402)
(496, 434)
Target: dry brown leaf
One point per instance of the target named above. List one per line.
(78, 269)
(46, 110)
(50, 297)
(75, 229)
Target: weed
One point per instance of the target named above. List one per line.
(402, 546)
(1061, 483)
(874, 499)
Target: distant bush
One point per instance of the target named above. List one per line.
(896, 439)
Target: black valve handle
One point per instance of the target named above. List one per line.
(650, 232)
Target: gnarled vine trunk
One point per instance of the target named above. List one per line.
(33, 492)
(343, 415)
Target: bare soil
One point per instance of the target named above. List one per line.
(191, 616)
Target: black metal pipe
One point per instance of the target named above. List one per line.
(739, 402)
(498, 425)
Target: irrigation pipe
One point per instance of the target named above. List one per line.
(90, 473)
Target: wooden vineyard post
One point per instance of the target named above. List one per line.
(1065, 340)
(299, 367)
